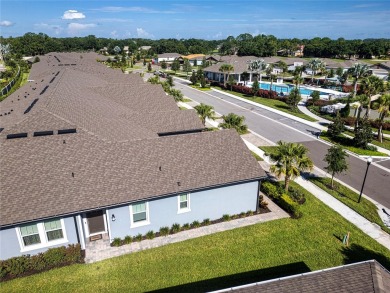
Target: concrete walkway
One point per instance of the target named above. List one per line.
(101, 249)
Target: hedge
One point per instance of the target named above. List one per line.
(29, 264)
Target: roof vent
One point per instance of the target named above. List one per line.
(16, 135)
(31, 105)
(159, 168)
(65, 131)
(43, 133)
(178, 183)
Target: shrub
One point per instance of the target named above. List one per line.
(249, 213)
(206, 222)
(37, 262)
(186, 226)
(128, 239)
(116, 242)
(195, 224)
(242, 214)
(73, 253)
(55, 256)
(270, 190)
(150, 234)
(175, 228)
(290, 206)
(164, 231)
(138, 237)
(226, 217)
(17, 265)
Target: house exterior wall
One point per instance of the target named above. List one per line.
(10, 245)
(211, 204)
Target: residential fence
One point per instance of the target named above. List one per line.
(9, 86)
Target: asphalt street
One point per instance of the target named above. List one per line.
(277, 127)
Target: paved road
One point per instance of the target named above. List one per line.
(276, 127)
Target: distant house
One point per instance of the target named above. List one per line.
(103, 51)
(85, 159)
(126, 49)
(167, 57)
(144, 48)
(194, 59)
(382, 70)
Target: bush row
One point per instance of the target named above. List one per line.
(28, 264)
(175, 228)
(289, 203)
(248, 91)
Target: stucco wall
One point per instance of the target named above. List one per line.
(10, 247)
(212, 204)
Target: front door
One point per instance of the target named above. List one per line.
(95, 221)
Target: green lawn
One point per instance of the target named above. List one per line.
(268, 149)
(350, 198)
(186, 100)
(231, 258)
(257, 157)
(344, 142)
(385, 143)
(275, 104)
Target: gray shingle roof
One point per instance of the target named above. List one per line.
(116, 153)
(364, 277)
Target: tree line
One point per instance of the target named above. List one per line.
(32, 44)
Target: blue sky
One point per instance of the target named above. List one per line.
(350, 19)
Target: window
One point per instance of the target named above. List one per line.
(42, 234)
(139, 214)
(53, 230)
(184, 203)
(30, 234)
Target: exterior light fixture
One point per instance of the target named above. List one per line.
(113, 218)
(369, 161)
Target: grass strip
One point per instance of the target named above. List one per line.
(350, 198)
(240, 256)
(257, 157)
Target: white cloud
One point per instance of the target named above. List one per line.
(73, 14)
(74, 28)
(114, 34)
(218, 35)
(141, 33)
(6, 23)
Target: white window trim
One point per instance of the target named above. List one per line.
(43, 237)
(188, 208)
(141, 223)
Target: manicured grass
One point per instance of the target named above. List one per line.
(186, 100)
(345, 143)
(231, 258)
(204, 89)
(257, 157)
(385, 142)
(268, 149)
(275, 104)
(350, 198)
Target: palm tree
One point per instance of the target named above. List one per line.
(226, 69)
(357, 71)
(257, 66)
(205, 111)
(315, 65)
(291, 159)
(371, 86)
(232, 120)
(245, 76)
(384, 105)
(363, 102)
(270, 74)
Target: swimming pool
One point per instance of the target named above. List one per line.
(285, 89)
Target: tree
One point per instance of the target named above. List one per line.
(226, 69)
(336, 159)
(231, 82)
(149, 66)
(175, 65)
(117, 50)
(363, 101)
(187, 66)
(193, 78)
(294, 98)
(371, 86)
(257, 66)
(344, 112)
(170, 80)
(163, 64)
(315, 96)
(339, 71)
(337, 127)
(357, 71)
(363, 134)
(291, 159)
(205, 111)
(383, 109)
(315, 65)
(269, 72)
(255, 87)
(232, 120)
(245, 76)
(176, 94)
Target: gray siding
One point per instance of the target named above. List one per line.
(10, 247)
(212, 204)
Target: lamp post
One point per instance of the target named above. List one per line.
(369, 161)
